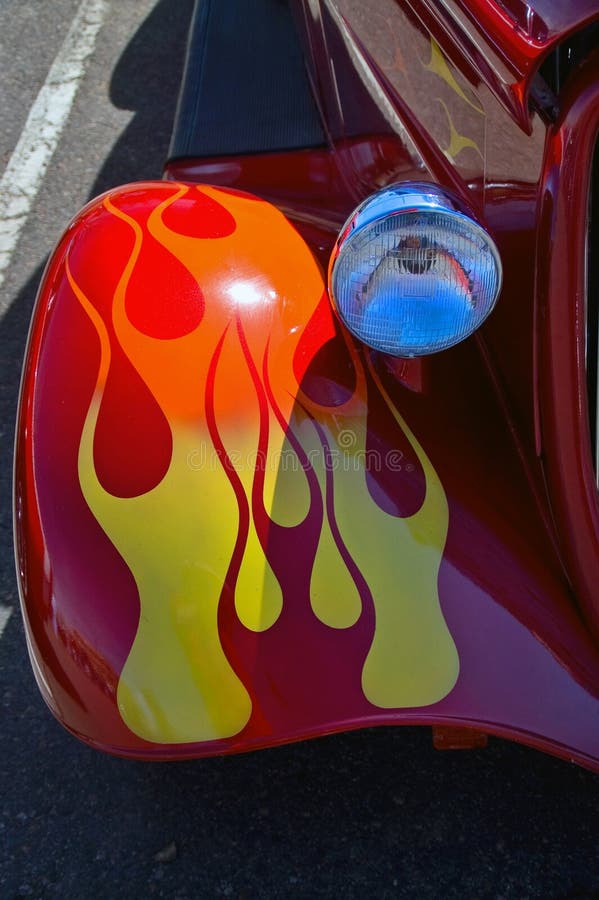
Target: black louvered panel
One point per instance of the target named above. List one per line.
(245, 87)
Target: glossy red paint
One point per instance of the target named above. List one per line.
(563, 222)
(502, 417)
(500, 42)
(318, 187)
(446, 737)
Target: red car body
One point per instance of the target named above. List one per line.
(235, 525)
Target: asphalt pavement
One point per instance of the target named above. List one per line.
(376, 813)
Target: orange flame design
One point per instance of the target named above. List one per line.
(250, 449)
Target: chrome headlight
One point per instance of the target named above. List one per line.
(411, 273)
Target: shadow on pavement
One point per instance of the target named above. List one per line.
(145, 80)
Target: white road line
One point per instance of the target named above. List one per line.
(5, 614)
(47, 117)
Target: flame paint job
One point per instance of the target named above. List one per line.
(490, 472)
(351, 548)
(257, 466)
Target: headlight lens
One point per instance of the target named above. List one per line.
(411, 273)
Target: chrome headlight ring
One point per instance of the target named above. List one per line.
(413, 272)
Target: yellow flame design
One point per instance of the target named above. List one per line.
(457, 141)
(439, 66)
(413, 660)
(177, 684)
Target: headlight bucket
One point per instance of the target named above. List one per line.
(413, 272)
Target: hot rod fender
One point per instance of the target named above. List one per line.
(236, 527)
